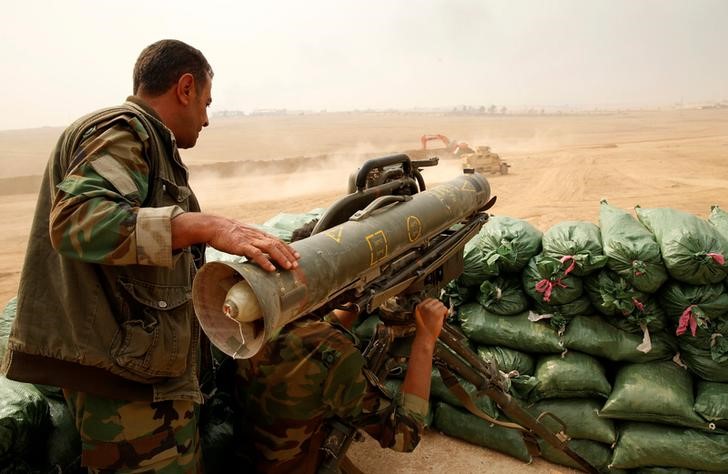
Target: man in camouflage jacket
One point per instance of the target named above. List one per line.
(311, 372)
(104, 305)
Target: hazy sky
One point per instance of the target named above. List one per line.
(61, 59)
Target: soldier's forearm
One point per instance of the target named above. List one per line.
(193, 228)
(419, 370)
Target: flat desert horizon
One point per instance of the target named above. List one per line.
(561, 167)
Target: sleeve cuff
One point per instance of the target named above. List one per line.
(416, 406)
(154, 235)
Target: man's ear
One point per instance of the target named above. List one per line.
(185, 88)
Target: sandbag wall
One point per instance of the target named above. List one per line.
(37, 434)
(620, 330)
(583, 318)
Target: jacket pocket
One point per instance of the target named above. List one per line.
(154, 339)
(173, 194)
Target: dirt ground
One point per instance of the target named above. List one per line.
(561, 166)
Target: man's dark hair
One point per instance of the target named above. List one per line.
(161, 64)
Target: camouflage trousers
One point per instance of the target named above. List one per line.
(136, 437)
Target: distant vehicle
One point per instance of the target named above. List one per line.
(484, 161)
(481, 159)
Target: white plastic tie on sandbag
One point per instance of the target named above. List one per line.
(535, 317)
(679, 361)
(646, 345)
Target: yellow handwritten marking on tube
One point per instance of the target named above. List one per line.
(414, 228)
(445, 194)
(377, 246)
(335, 234)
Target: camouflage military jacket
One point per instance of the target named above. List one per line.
(104, 304)
(310, 372)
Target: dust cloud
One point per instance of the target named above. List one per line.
(212, 189)
(298, 177)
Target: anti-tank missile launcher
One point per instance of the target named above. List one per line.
(360, 252)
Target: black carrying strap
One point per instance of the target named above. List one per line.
(333, 449)
(451, 382)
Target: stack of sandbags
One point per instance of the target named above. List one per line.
(496, 319)
(491, 283)
(451, 418)
(657, 403)
(574, 385)
(541, 372)
(572, 250)
(694, 302)
(568, 314)
(601, 289)
(622, 293)
(37, 433)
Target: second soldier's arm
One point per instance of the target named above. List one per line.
(429, 317)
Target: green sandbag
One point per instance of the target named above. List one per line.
(571, 375)
(719, 218)
(215, 255)
(522, 386)
(611, 294)
(580, 306)
(579, 242)
(457, 294)
(706, 353)
(544, 280)
(516, 332)
(631, 250)
(711, 402)
(560, 315)
(649, 315)
(625, 306)
(700, 363)
(580, 415)
(475, 269)
(462, 425)
(24, 419)
(217, 432)
(503, 296)
(693, 250)
(439, 391)
(655, 392)
(64, 442)
(704, 302)
(365, 329)
(644, 444)
(18, 466)
(282, 225)
(508, 244)
(592, 335)
(6, 322)
(596, 454)
(507, 359)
